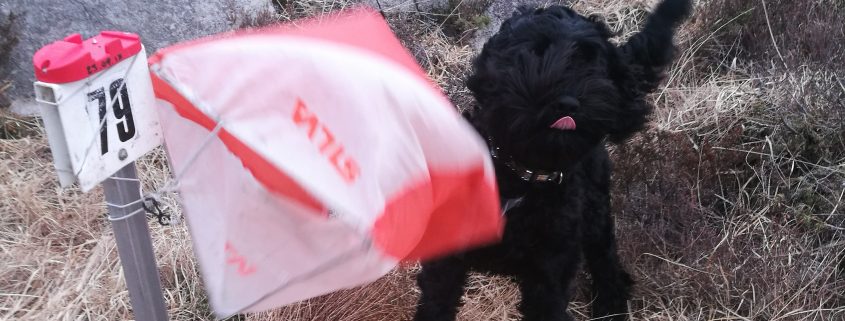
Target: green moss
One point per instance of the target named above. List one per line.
(482, 21)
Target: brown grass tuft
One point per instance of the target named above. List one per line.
(13, 126)
(790, 32)
(446, 61)
(387, 299)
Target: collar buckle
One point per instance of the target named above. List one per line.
(524, 173)
(554, 177)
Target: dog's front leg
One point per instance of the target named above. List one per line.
(545, 291)
(611, 283)
(441, 285)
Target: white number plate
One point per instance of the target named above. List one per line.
(100, 124)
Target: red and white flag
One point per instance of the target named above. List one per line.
(316, 157)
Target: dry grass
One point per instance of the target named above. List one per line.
(729, 208)
(744, 220)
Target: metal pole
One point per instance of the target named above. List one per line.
(134, 245)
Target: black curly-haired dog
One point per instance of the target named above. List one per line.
(551, 89)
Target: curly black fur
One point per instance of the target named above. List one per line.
(542, 65)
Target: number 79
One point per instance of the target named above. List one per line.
(121, 109)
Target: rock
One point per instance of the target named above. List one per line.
(158, 22)
(498, 12)
(408, 5)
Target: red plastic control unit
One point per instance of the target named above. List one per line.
(73, 59)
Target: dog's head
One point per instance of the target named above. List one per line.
(550, 86)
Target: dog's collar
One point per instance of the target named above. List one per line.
(524, 173)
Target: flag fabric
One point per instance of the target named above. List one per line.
(316, 156)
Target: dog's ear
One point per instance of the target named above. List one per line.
(650, 52)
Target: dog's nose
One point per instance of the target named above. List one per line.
(554, 111)
(568, 105)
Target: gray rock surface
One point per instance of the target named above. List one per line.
(407, 5)
(158, 22)
(499, 11)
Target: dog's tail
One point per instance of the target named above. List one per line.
(651, 51)
(670, 13)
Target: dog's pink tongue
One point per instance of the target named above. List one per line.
(565, 123)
